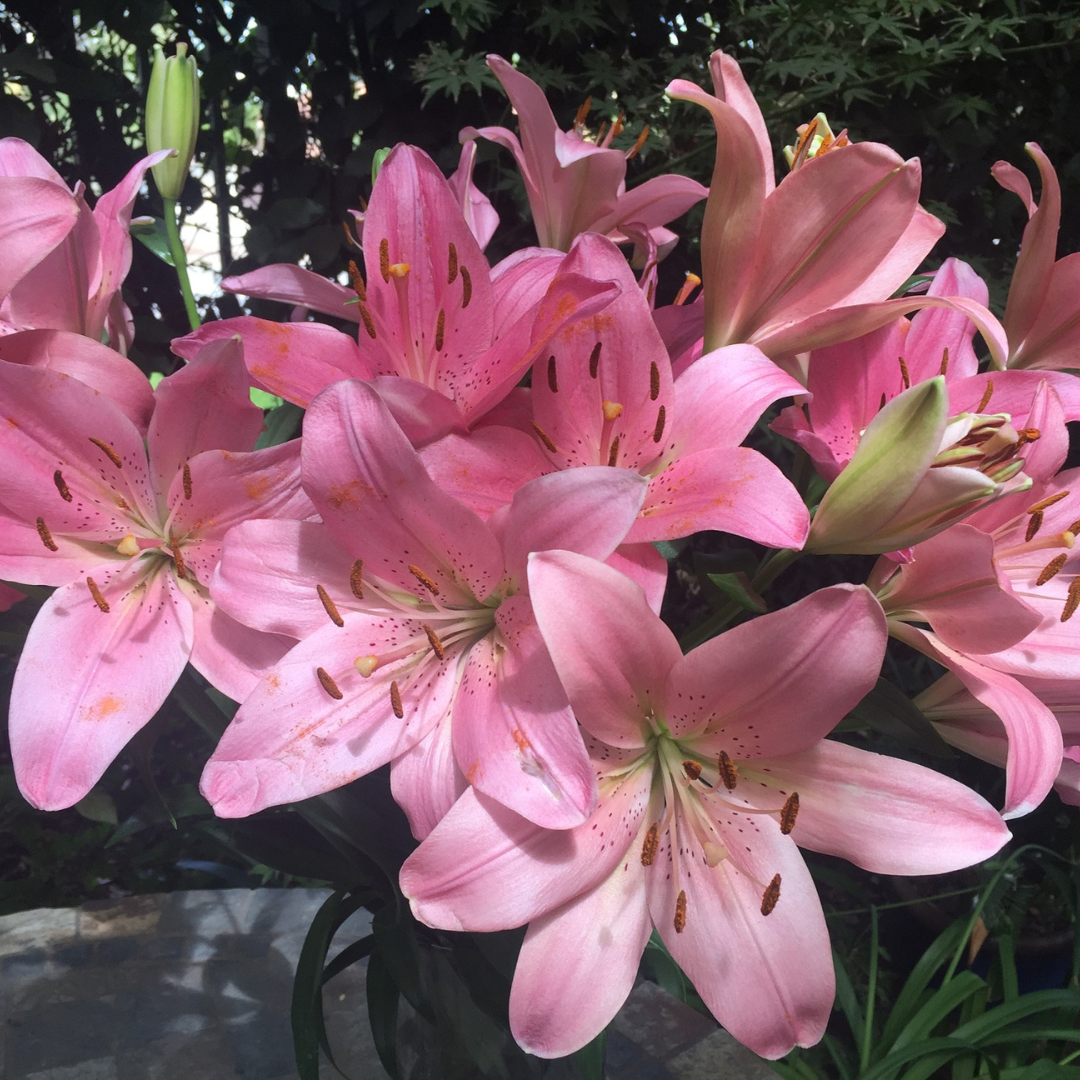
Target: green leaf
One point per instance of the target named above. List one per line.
(889, 711)
(263, 399)
(590, 1058)
(282, 423)
(151, 232)
(737, 587)
(97, 805)
(382, 1003)
(351, 954)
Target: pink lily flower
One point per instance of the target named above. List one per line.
(575, 185)
(712, 767)
(1042, 315)
(419, 645)
(75, 286)
(130, 532)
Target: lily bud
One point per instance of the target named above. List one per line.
(916, 472)
(172, 117)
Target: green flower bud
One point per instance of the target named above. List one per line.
(172, 117)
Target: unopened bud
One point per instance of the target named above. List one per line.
(172, 117)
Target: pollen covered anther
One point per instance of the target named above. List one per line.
(109, 452)
(1027, 435)
(728, 773)
(905, 375)
(431, 586)
(594, 360)
(61, 486)
(329, 606)
(328, 684)
(771, 895)
(178, 560)
(440, 330)
(988, 393)
(553, 375)
(613, 453)
(1049, 501)
(1051, 569)
(680, 912)
(651, 845)
(789, 813)
(692, 769)
(658, 431)
(654, 381)
(384, 259)
(944, 361)
(1072, 600)
(433, 640)
(466, 288)
(544, 437)
(46, 536)
(365, 318)
(95, 592)
(452, 272)
(186, 480)
(1033, 526)
(356, 579)
(395, 700)
(357, 280)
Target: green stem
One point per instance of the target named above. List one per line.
(176, 249)
(871, 994)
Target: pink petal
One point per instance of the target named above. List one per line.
(426, 781)
(294, 285)
(423, 414)
(25, 558)
(935, 329)
(9, 597)
(654, 203)
(476, 207)
(519, 283)
(19, 158)
(643, 564)
(37, 215)
(1054, 338)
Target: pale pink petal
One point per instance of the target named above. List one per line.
(476, 207)
(1054, 338)
(19, 158)
(426, 781)
(645, 565)
(933, 330)
(659, 200)
(25, 558)
(36, 217)
(519, 282)
(89, 679)
(294, 285)
(423, 414)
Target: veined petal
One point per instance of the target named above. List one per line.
(425, 780)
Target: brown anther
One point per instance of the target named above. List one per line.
(650, 292)
(617, 127)
(451, 274)
(1051, 568)
(658, 431)
(178, 560)
(369, 323)
(944, 361)
(433, 641)
(808, 132)
(600, 133)
(384, 259)
(1072, 600)
(728, 773)
(692, 769)
(651, 845)
(357, 280)
(772, 894)
(680, 912)
(187, 480)
(329, 606)
(905, 375)
(1074, 528)
(424, 580)
(328, 684)
(638, 144)
(1027, 435)
(95, 592)
(61, 486)
(654, 382)
(466, 287)
(356, 579)
(594, 360)
(613, 453)
(395, 700)
(583, 112)
(1033, 526)
(789, 813)
(988, 393)
(440, 330)
(46, 536)
(544, 437)
(1044, 504)
(109, 452)
(553, 375)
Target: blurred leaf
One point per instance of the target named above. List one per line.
(152, 233)
(282, 423)
(97, 805)
(737, 587)
(889, 711)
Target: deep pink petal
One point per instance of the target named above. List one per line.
(423, 414)
(19, 158)
(9, 597)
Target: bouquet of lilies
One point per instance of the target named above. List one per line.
(457, 569)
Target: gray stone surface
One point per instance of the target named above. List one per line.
(197, 986)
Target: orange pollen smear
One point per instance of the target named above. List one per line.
(329, 606)
(988, 393)
(187, 481)
(424, 580)
(692, 769)
(905, 374)
(395, 700)
(451, 273)
(654, 381)
(1027, 435)
(658, 431)
(553, 375)
(466, 288)
(594, 360)
(651, 845)
(772, 894)
(95, 592)
(433, 641)
(543, 436)
(789, 813)
(440, 330)
(356, 579)
(728, 773)
(1033, 526)
(1051, 569)
(680, 912)
(178, 560)
(1044, 504)
(1072, 601)
(46, 536)
(384, 259)
(944, 361)
(357, 280)
(58, 480)
(109, 452)
(328, 684)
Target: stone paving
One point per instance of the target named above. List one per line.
(197, 986)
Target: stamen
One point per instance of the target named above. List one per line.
(600, 133)
(944, 361)
(803, 142)
(395, 701)
(651, 845)
(988, 393)
(452, 272)
(356, 579)
(583, 112)
(1074, 528)
(1072, 601)
(440, 330)
(680, 912)
(543, 435)
(905, 374)
(384, 259)
(366, 665)
(1051, 568)
(658, 431)
(424, 580)
(612, 410)
(686, 289)
(46, 536)
(1027, 435)
(433, 641)
(650, 292)
(638, 144)
(728, 773)
(128, 545)
(692, 769)
(357, 280)
(613, 453)
(772, 894)
(654, 381)
(95, 592)
(58, 480)
(369, 324)
(553, 376)
(594, 360)
(789, 813)
(1033, 526)
(1046, 503)
(109, 452)
(328, 684)
(329, 606)
(187, 481)
(178, 559)
(466, 288)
